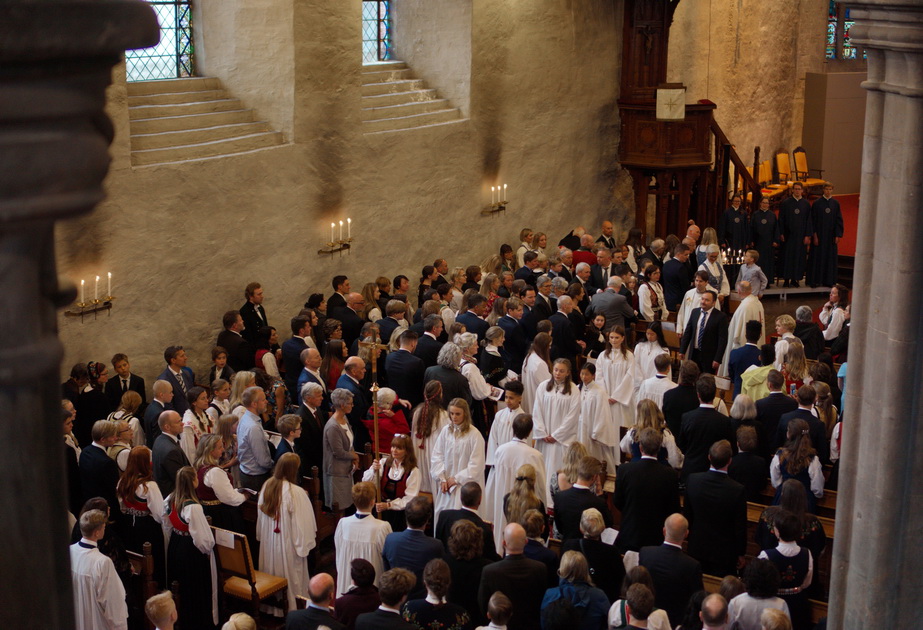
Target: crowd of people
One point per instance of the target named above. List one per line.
(502, 396)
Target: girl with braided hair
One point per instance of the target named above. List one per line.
(428, 419)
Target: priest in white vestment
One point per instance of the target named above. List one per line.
(99, 597)
(594, 430)
(750, 308)
(360, 536)
(556, 415)
(509, 458)
(458, 457)
(501, 431)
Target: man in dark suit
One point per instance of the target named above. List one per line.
(411, 549)
(564, 344)
(612, 304)
(168, 457)
(241, 353)
(124, 381)
(745, 356)
(179, 376)
(603, 269)
(428, 345)
(351, 379)
(291, 353)
(606, 239)
(473, 318)
(253, 313)
(676, 279)
(533, 522)
(310, 373)
(646, 493)
(393, 587)
(395, 311)
(716, 507)
(702, 427)
(338, 299)
(313, 419)
(321, 589)
(676, 576)
(522, 580)
(515, 344)
(163, 395)
(806, 396)
(99, 473)
(405, 371)
(349, 316)
(545, 303)
(747, 467)
(681, 398)
(570, 504)
(706, 335)
(471, 500)
(769, 410)
(654, 254)
(527, 271)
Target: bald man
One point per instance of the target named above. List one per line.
(168, 457)
(352, 379)
(321, 589)
(606, 237)
(349, 315)
(714, 614)
(585, 252)
(521, 579)
(565, 343)
(676, 575)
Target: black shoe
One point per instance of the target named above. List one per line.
(785, 285)
(795, 284)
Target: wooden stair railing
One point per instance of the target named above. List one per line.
(723, 179)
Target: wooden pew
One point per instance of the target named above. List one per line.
(826, 505)
(142, 575)
(818, 608)
(326, 521)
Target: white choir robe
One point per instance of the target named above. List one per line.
(654, 388)
(99, 597)
(359, 538)
(423, 447)
(616, 373)
(534, 372)
(645, 353)
(750, 308)
(510, 457)
(594, 430)
(501, 431)
(555, 414)
(459, 455)
(285, 553)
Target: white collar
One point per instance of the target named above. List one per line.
(713, 469)
(100, 446)
(389, 609)
(580, 486)
(667, 542)
(87, 541)
(434, 600)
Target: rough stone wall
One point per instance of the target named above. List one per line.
(749, 57)
(182, 240)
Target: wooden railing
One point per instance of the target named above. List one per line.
(729, 170)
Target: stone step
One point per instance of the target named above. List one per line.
(172, 98)
(188, 84)
(183, 109)
(143, 141)
(408, 122)
(406, 109)
(390, 87)
(384, 76)
(398, 98)
(373, 66)
(214, 148)
(192, 121)
(447, 123)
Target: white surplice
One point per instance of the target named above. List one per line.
(645, 353)
(692, 299)
(616, 373)
(357, 537)
(534, 372)
(459, 455)
(423, 447)
(555, 414)
(654, 388)
(510, 457)
(99, 597)
(750, 308)
(284, 552)
(501, 431)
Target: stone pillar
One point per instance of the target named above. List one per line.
(878, 553)
(56, 58)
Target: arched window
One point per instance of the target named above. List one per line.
(839, 45)
(377, 44)
(172, 58)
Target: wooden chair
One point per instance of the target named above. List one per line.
(784, 167)
(773, 192)
(812, 185)
(237, 575)
(142, 571)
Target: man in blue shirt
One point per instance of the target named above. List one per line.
(252, 445)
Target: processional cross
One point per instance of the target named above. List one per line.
(375, 346)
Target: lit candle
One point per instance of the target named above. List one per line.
(504, 193)
(341, 230)
(349, 228)
(109, 285)
(492, 190)
(332, 225)
(83, 291)
(96, 290)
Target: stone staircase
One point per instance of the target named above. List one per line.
(392, 100)
(176, 120)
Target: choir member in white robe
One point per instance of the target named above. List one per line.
(596, 430)
(510, 457)
(691, 300)
(501, 431)
(360, 536)
(536, 369)
(457, 458)
(750, 308)
(428, 419)
(646, 351)
(556, 415)
(99, 597)
(288, 533)
(654, 388)
(615, 371)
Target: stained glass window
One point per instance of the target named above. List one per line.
(832, 22)
(376, 31)
(172, 58)
(838, 44)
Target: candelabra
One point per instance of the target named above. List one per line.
(498, 200)
(94, 306)
(341, 244)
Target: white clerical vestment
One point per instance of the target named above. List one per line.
(501, 431)
(645, 353)
(616, 373)
(99, 597)
(555, 414)
(423, 446)
(595, 426)
(654, 388)
(359, 536)
(510, 457)
(750, 308)
(286, 542)
(534, 372)
(459, 455)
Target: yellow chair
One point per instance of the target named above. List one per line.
(812, 184)
(784, 167)
(237, 575)
(770, 190)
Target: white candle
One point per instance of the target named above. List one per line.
(492, 190)
(349, 228)
(504, 193)
(83, 291)
(331, 231)
(109, 285)
(341, 230)
(96, 290)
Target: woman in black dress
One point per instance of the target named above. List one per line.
(141, 504)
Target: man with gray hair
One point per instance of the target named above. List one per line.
(582, 273)
(564, 344)
(252, 445)
(99, 597)
(654, 253)
(566, 256)
(313, 418)
(809, 332)
(612, 304)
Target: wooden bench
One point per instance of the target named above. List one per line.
(142, 576)
(712, 584)
(326, 521)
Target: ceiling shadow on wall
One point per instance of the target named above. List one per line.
(329, 160)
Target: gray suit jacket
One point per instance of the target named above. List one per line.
(613, 305)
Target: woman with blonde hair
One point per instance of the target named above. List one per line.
(577, 587)
(285, 527)
(458, 457)
(795, 368)
(522, 497)
(497, 311)
(215, 489)
(489, 287)
(370, 312)
(566, 476)
(458, 281)
(240, 621)
(709, 237)
(131, 401)
(785, 328)
(241, 381)
(826, 412)
(428, 419)
(650, 416)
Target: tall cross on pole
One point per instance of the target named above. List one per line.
(375, 347)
